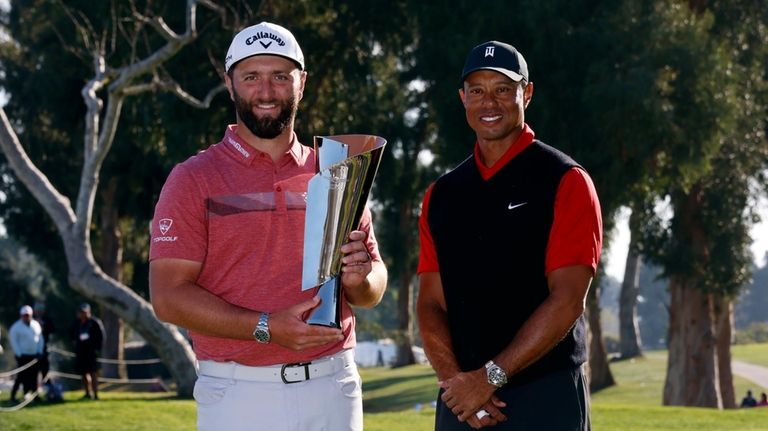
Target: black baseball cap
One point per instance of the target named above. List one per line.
(497, 56)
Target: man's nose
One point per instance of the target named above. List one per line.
(489, 98)
(265, 89)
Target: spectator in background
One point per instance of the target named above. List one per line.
(749, 400)
(763, 400)
(27, 344)
(87, 333)
(48, 328)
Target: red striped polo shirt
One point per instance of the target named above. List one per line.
(242, 215)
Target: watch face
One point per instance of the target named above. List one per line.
(496, 376)
(262, 336)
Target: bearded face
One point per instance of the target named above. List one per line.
(265, 127)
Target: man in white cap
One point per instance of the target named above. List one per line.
(27, 343)
(226, 260)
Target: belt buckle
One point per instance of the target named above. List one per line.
(294, 365)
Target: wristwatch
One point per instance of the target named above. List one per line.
(261, 333)
(496, 375)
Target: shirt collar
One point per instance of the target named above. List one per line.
(245, 153)
(523, 141)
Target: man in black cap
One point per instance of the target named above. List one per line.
(510, 241)
(87, 333)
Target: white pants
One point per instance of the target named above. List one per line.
(329, 403)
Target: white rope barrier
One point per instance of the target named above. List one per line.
(106, 379)
(18, 370)
(109, 361)
(28, 398)
(31, 396)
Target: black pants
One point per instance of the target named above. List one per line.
(558, 401)
(27, 378)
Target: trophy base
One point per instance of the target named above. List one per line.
(328, 313)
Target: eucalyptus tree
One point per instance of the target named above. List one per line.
(706, 109)
(630, 344)
(139, 42)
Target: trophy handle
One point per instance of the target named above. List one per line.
(328, 312)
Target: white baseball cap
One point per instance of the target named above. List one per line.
(25, 310)
(264, 39)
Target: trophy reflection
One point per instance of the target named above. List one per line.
(336, 197)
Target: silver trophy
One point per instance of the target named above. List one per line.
(336, 197)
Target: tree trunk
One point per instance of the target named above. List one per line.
(600, 376)
(692, 371)
(90, 281)
(724, 335)
(73, 222)
(405, 322)
(405, 299)
(629, 330)
(111, 261)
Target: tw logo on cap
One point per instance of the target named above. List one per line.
(489, 51)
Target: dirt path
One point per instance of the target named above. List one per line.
(754, 373)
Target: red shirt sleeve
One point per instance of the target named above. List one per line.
(577, 230)
(178, 229)
(427, 253)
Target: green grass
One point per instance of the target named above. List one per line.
(400, 400)
(120, 411)
(753, 353)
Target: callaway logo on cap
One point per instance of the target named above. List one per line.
(497, 56)
(264, 39)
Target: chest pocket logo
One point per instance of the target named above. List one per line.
(512, 206)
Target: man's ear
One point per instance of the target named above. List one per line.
(302, 83)
(462, 96)
(228, 83)
(527, 94)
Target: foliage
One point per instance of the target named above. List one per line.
(753, 301)
(157, 129)
(725, 107)
(756, 332)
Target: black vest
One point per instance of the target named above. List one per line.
(491, 241)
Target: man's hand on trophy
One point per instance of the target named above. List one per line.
(288, 328)
(356, 262)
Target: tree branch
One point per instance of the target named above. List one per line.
(158, 23)
(187, 98)
(174, 45)
(97, 148)
(56, 205)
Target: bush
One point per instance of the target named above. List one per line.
(756, 332)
